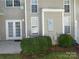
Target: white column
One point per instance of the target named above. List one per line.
(25, 18)
(75, 29)
(63, 21)
(42, 22)
(75, 21)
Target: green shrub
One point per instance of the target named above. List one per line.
(36, 45)
(65, 40)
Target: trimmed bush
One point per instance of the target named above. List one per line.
(65, 40)
(36, 45)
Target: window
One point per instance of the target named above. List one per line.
(17, 24)
(67, 29)
(16, 2)
(34, 25)
(67, 5)
(13, 29)
(34, 6)
(67, 24)
(12, 3)
(50, 24)
(9, 3)
(10, 29)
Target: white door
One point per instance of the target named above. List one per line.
(77, 31)
(13, 29)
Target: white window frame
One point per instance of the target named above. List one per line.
(69, 18)
(37, 25)
(14, 34)
(69, 6)
(31, 6)
(12, 4)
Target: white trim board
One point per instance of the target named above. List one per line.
(75, 21)
(52, 10)
(25, 18)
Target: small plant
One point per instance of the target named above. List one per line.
(65, 40)
(36, 45)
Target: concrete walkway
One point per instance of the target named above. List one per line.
(9, 47)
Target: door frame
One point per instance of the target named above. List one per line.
(52, 10)
(13, 38)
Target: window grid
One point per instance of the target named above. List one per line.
(17, 24)
(13, 4)
(67, 24)
(34, 25)
(10, 28)
(67, 6)
(16, 2)
(9, 3)
(67, 29)
(34, 6)
(13, 29)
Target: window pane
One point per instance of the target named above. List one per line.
(10, 29)
(67, 20)
(50, 24)
(34, 8)
(67, 29)
(34, 25)
(16, 2)
(34, 2)
(8, 3)
(66, 7)
(17, 29)
(66, 2)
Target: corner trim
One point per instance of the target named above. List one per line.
(25, 19)
(75, 30)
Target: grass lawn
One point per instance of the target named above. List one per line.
(10, 56)
(60, 55)
(53, 55)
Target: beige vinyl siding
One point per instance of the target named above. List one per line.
(53, 4)
(10, 13)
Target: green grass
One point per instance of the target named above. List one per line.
(10, 56)
(53, 55)
(60, 55)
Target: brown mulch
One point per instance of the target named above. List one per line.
(61, 49)
(77, 49)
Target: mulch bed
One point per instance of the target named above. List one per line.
(77, 49)
(61, 49)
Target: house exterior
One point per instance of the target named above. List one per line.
(25, 18)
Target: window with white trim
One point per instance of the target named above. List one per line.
(34, 6)
(34, 25)
(12, 3)
(13, 29)
(67, 24)
(67, 5)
